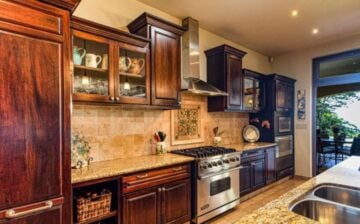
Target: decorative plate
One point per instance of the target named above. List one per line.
(251, 133)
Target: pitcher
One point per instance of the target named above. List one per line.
(77, 56)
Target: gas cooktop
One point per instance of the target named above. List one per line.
(204, 151)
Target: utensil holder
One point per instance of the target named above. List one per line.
(160, 148)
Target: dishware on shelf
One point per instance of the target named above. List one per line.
(105, 62)
(92, 60)
(137, 65)
(124, 63)
(77, 56)
(251, 133)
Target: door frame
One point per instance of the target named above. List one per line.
(327, 81)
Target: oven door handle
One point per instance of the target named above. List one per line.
(221, 172)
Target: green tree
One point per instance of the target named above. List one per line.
(327, 119)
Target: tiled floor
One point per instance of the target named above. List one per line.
(256, 202)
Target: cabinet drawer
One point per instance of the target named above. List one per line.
(252, 155)
(152, 178)
(285, 173)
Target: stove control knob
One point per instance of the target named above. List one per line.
(209, 165)
(237, 158)
(214, 163)
(219, 163)
(203, 167)
(226, 161)
(232, 159)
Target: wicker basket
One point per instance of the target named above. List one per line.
(93, 205)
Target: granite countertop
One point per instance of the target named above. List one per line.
(277, 211)
(250, 146)
(111, 168)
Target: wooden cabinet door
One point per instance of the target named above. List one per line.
(289, 98)
(258, 173)
(270, 165)
(245, 178)
(142, 207)
(280, 93)
(165, 75)
(35, 109)
(234, 82)
(176, 202)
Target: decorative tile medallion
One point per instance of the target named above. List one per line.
(186, 125)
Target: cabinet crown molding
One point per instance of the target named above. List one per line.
(70, 5)
(227, 49)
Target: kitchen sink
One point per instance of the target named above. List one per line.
(330, 204)
(342, 195)
(327, 213)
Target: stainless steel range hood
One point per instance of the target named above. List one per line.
(191, 82)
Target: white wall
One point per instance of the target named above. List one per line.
(299, 66)
(119, 13)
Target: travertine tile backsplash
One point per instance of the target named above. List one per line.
(114, 132)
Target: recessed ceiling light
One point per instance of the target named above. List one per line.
(315, 31)
(294, 13)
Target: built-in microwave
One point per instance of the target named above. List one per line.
(285, 145)
(283, 123)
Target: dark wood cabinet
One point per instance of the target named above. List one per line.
(253, 91)
(159, 196)
(284, 96)
(252, 171)
(224, 71)
(270, 165)
(175, 202)
(110, 66)
(284, 166)
(245, 178)
(165, 58)
(142, 207)
(35, 113)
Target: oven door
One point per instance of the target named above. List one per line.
(283, 123)
(284, 145)
(216, 190)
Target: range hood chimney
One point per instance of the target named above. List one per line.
(191, 82)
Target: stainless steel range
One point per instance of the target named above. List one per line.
(216, 180)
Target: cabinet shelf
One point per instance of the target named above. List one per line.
(110, 215)
(90, 68)
(132, 75)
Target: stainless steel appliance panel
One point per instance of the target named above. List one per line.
(284, 146)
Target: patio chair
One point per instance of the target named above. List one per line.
(322, 150)
(354, 150)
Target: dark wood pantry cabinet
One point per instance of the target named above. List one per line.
(165, 58)
(35, 179)
(224, 71)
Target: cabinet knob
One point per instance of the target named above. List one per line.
(112, 98)
(141, 176)
(159, 189)
(163, 189)
(117, 98)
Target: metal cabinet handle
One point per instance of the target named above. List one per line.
(11, 213)
(177, 168)
(159, 189)
(117, 98)
(112, 98)
(142, 176)
(163, 189)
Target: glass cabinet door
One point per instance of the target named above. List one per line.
(248, 94)
(259, 95)
(132, 84)
(91, 68)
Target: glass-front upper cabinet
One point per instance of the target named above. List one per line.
(253, 91)
(248, 94)
(91, 71)
(132, 82)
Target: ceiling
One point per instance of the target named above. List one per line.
(267, 25)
